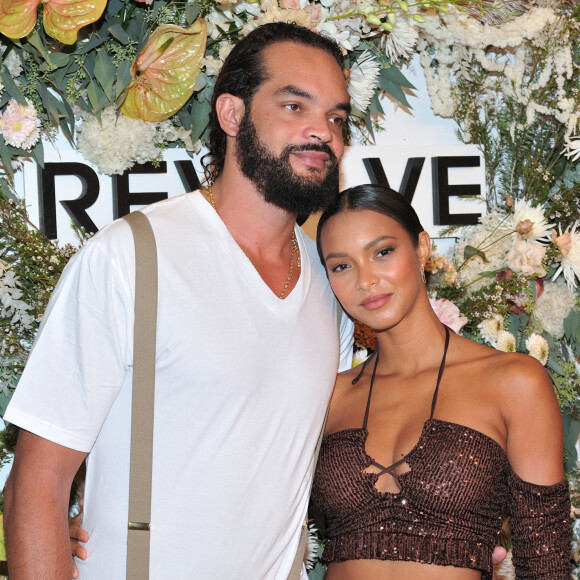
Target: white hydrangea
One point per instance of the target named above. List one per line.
(552, 307)
(494, 238)
(12, 62)
(118, 142)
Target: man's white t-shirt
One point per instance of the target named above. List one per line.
(243, 379)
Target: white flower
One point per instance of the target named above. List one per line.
(506, 341)
(569, 246)
(552, 307)
(400, 43)
(363, 80)
(572, 147)
(12, 62)
(526, 257)
(359, 357)
(118, 142)
(529, 221)
(538, 348)
(312, 546)
(490, 328)
(491, 236)
(448, 313)
(20, 125)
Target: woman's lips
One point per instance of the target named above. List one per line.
(375, 301)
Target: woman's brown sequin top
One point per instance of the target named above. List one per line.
(450, 507)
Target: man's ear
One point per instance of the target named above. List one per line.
(230, 112)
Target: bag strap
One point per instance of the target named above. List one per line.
(143, 397)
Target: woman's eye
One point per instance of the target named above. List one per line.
(384, 252)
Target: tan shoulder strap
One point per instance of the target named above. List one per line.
(143, 397)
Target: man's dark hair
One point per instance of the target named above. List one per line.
(243, 72)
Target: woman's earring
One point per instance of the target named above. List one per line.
(423, 274)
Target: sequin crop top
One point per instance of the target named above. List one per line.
(450, 507)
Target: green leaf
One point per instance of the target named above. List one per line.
(97, 97)
(35, 40)
(105, 73)
(394, 75)
(191, 12)
(117, 31)
(59, 59)
(93, 42)
(123, 78)
(6, 157)
(395, 91)
(37, 153)
(200, 114)
(470, 251)
(11, 87)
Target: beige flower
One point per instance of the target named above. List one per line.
(529, 221)
(490, 328)
(569, 246)
(538, 348)
(506, 341)
(526, 257)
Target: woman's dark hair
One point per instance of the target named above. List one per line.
(244, 71)
(375, 198)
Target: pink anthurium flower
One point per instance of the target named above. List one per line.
(165, 72)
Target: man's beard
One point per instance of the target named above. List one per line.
(276, 180)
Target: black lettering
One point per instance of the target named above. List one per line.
(123, 198)
(188, 175)
(442, 191)
(410, 179)
(75, 208)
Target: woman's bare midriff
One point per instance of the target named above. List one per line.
(388, 570)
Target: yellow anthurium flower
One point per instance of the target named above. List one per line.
(165, 72)
(62, 18)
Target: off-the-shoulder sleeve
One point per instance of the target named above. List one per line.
(540, 528)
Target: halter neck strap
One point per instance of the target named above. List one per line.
(439, 376)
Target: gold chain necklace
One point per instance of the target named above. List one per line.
(294, 248)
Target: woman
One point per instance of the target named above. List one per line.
(428, 444)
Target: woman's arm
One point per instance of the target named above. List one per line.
(539, 498)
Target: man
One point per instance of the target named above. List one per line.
(247, 347)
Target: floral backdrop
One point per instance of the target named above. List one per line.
(123, 80)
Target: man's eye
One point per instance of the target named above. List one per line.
(293, 107)
(340, 121)
(338, 268)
